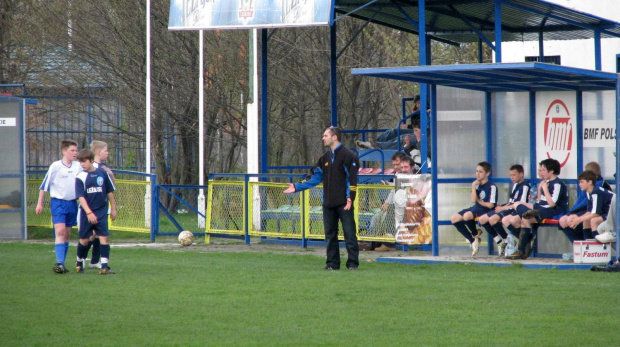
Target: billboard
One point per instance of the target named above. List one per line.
(243, 14)
(412, 202)
(556, 130)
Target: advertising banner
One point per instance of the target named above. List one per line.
(243, 14)
(556, 130)
(412, 197)
(599, 133)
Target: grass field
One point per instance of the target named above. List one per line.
(197, 296)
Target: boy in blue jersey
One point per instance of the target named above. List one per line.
(484, 196)
(599, 201)
(100, 150)
(581, 204)
(60, 182)
(94, 190)
(552, 201)
(491, 222)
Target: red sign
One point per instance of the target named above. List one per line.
(558, 132)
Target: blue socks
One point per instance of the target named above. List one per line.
(59, 248)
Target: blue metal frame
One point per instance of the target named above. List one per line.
(565, 81)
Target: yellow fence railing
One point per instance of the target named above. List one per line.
(130, 205)
(271, 213)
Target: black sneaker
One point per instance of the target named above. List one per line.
(529, 247)
(597, 268)
(531, 214)
(329, 267)
(106, 271)
(59, 269)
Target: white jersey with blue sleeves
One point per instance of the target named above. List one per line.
(59, 180)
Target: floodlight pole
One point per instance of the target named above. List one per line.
(201, 141)
(147, 196)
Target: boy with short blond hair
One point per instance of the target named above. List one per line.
(60, 182)
(100, 150)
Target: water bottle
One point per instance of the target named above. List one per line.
(511, 244)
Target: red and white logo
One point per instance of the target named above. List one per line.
(246, 10)
(558, 132)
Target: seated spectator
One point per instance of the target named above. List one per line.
(389, 139)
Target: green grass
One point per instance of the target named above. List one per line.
(200, 297)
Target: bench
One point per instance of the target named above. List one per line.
(543, 223)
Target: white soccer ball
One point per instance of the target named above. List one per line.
(186, 238)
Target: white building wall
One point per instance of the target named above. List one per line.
(575, 53)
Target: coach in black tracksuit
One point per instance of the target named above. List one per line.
(337, 169)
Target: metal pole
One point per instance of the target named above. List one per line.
(201, 140)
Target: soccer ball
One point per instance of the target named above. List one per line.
(186, 238)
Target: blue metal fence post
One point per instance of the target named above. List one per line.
(154, 207)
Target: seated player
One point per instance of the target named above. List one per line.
(552, 201)
(491, 222)
(599, 201)
(580, 206)
(484, 196)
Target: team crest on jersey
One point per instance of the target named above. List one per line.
(482, 195)
(326, 163)
(100, 181)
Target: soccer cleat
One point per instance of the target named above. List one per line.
(95, 266)
(606, 237)
(475, 246)
(329, 267)
(352, 267)
(501, 248)
(515, 255)
(597, 268)
(60, 269)
(531, 214)
(106, 271)
(79, 267)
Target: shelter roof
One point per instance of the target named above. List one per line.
(505, 77)
(463, 20)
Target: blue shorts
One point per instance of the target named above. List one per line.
(64, 211)
(87, 230)
(476, 210)
(508, 212)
